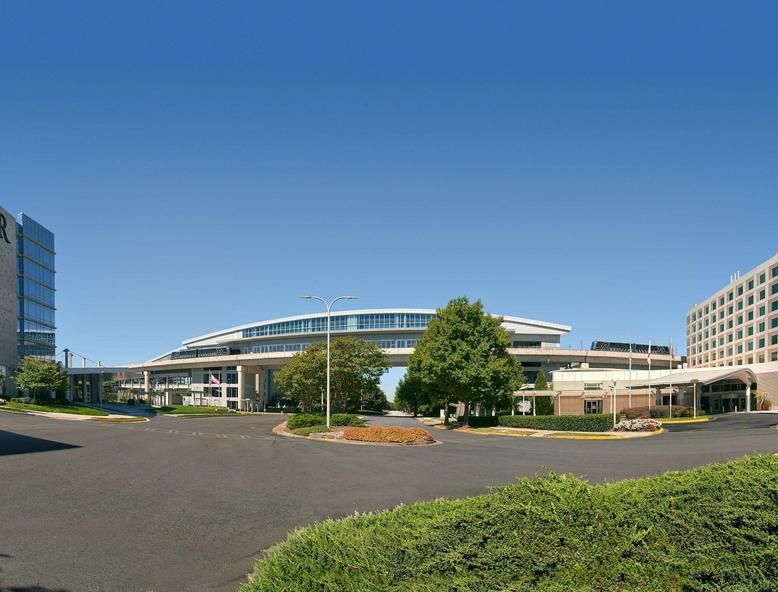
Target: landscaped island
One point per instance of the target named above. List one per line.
(711, 528)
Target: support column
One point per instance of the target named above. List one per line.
(748, 397)
(241, 378)
(147, 385)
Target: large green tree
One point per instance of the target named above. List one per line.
(356, 369)
(410, 394)
(463, 356)
(39, 376)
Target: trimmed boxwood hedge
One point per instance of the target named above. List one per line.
(711, 529)
(568, 423)
(306, 420)
(478, 421)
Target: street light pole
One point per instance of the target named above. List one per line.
(328, 306)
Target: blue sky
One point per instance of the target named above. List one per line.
(604, 165)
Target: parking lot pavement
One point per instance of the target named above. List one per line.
(188, 504)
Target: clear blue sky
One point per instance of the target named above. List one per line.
(600, 164)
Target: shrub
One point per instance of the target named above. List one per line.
(25, 400)
(131, 401)
(638, 425)
(391, 434)
(572, 423)
(657, 412)
(477, 421)
(346, 419)
(710, 529)
(305, 420)
(315, 429)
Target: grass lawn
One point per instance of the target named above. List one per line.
(711, 529)
(56, 407)
(193, 410)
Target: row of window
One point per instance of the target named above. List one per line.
(696, 322)
(702, 338)
(737, 292)
(30, 289)
(339, 323)
(34, 251)
(29, 227)
(30, 269)
(36, 312)
(710, 359)
(298, 347)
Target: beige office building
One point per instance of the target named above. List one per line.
(738, 325)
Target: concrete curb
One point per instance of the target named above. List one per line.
(562, 435)
(281, 430)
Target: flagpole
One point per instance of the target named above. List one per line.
(671, 378)
(629, 402)
(649, 377)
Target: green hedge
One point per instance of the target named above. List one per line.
(711, 529)
(657, 412)
(477, 421)
(306, 420)
(568, 423)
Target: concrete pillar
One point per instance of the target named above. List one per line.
(147, 385)
(748, 397)
(241, 379)
(260, 388)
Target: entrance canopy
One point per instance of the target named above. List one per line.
(702, 376)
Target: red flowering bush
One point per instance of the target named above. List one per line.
(389, 435)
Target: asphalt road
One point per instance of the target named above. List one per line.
(188, 504)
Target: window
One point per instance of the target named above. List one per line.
(762, 278)
(751, 284)
(593, 406)
(592, 386)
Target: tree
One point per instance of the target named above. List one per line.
(39, 376)
(463, 356)
(410, 394)
(356, 367)
(304, 377)
(543, 405)
(374, 400)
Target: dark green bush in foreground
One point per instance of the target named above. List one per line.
(573, 423)
(306, 420)
(708, 529)
(479, 421)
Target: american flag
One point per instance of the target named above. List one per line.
(213, 380)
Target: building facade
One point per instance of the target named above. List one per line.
(36, 326)
(8, 301)
(737, 325)
(27, 324)
(236, 367)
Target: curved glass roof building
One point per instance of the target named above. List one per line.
(234, 367)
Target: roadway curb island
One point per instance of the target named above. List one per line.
(282, 430)
(555, 434)
(77, 416)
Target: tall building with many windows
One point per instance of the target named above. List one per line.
(738, 324)
(36, 325)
